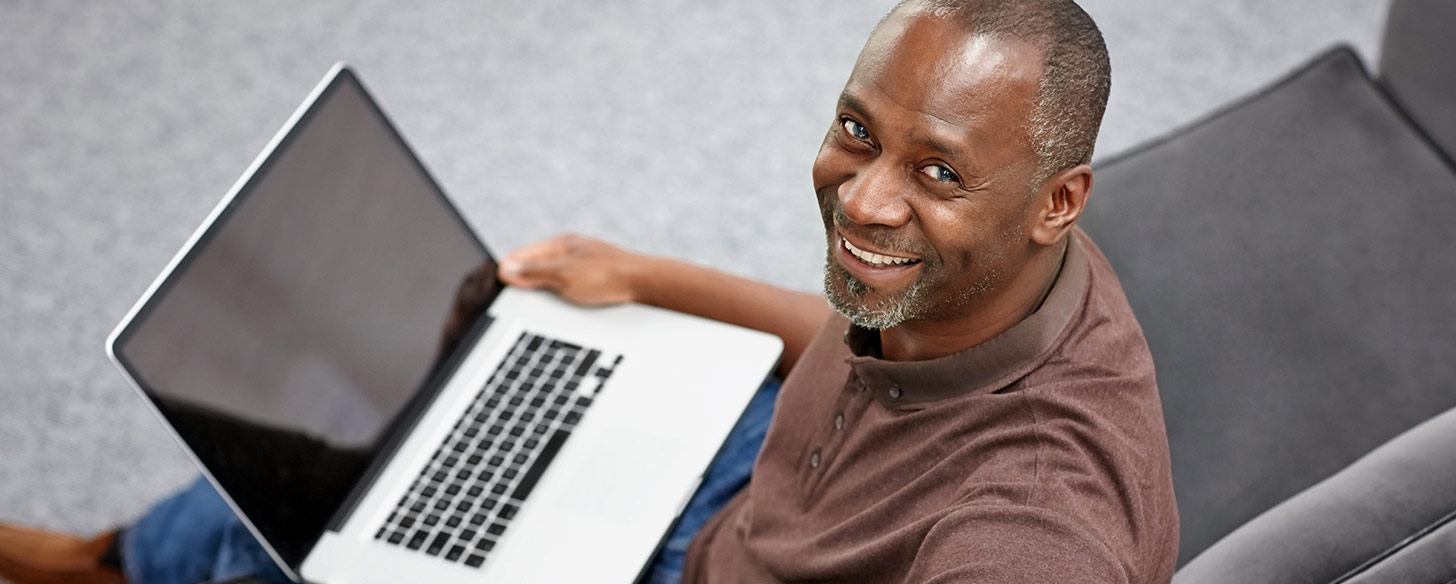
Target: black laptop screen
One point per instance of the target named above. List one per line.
(298, 327)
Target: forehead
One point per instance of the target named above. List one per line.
(929, 65)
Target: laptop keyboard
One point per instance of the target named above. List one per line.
(463, 501)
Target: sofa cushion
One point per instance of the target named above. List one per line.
(1386, 518)
(1418, 65)
(1292, 260)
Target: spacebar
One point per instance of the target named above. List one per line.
(548, 452)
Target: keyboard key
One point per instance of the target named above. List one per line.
(475, 561)
(438, 544)
(548, 452)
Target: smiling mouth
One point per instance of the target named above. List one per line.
(875, 259)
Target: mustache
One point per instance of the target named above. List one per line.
(881, 238)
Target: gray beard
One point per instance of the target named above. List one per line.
(847, 294)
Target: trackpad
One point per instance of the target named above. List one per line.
(639, 481)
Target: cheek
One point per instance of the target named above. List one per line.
(964, 238)
(831, 166)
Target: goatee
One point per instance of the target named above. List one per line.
(850, 297)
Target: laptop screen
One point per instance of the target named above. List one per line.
(303, 320)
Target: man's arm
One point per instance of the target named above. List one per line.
(1016, 544)
(592, 272)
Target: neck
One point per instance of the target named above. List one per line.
(983, 319)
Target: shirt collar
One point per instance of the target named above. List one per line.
(986, 367)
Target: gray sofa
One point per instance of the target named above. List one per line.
(1292, 260)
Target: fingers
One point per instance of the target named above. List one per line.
(537, 265)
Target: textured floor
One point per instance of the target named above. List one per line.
(676, 127)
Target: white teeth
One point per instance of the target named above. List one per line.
(874, 259)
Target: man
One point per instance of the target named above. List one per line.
(982, 407)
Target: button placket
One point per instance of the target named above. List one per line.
(856, 395)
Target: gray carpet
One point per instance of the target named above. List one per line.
(682, 128)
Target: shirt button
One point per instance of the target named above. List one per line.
(814, 460)
(839, 422)
(859, 384)
(894, 393)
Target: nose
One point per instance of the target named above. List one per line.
(875, 196)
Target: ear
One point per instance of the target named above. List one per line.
(1059, 203)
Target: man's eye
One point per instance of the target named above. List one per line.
(940, 173)
(856, 129)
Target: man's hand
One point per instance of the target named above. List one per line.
(581, 269)
(592, 272)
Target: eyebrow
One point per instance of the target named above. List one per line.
(851, 102)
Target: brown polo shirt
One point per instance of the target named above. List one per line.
(1038, 456)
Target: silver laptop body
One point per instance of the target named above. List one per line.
(333, 349)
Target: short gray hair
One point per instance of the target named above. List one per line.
(1076, 75)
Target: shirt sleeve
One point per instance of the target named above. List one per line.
(1008, 544)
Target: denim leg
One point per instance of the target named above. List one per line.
(727, 476)
(191, 537)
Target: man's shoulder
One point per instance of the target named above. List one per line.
(1103, 341)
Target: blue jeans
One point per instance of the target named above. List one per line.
(193, 536)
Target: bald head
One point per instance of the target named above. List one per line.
(1076, 75)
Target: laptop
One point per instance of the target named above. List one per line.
(333, 349)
